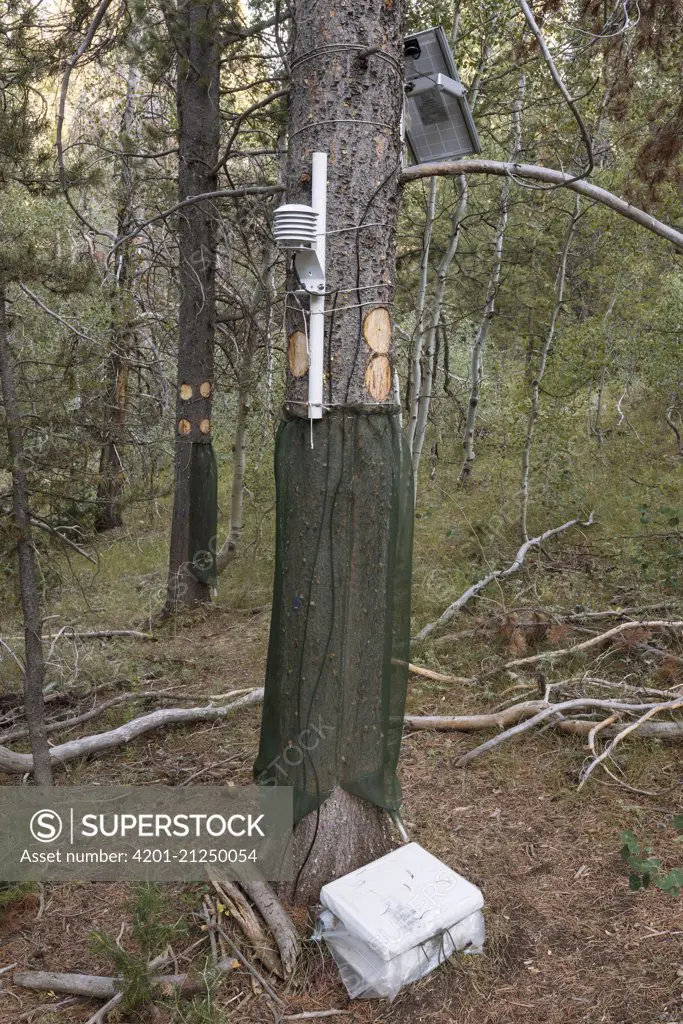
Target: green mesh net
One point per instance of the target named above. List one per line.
(203, 520)
(337, 667)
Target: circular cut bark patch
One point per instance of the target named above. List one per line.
(296, 352)
(205, 426)
(205, 389)
(186, 392)
(184, 427)
(377, 329)
(378, 378)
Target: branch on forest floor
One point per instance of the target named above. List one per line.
(92, 986)
(428, 673)
(498, 574)
(15, 763)
(548, 711)
(42, 524)
(594, 641)
(277, 919)
(243, 913)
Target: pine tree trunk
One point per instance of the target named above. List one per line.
(34, 672)
(195, 32)
(112, 476)
(344, 525)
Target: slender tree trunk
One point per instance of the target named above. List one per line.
(424, 355)
(540, 372)
(424, 397)
(476, 373)
(416, 359)
(229, 548)
(112, 476)
(34, 670)
(258, 330)
(195, 31)
(342, 541)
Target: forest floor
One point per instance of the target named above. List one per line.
(567, 941)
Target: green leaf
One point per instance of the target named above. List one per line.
(634, 882)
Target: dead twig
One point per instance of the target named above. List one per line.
(498, 574)
(607, 752)
(239, 908)
(237, 952)
(593, 642)
(98, 743)
(561, 708)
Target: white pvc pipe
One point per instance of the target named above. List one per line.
(316, 338)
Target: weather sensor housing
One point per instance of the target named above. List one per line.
(301, 229)
(438, 121)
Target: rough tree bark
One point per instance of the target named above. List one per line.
(333, 616)
(195, 34)
(34, 669)
(111, 477)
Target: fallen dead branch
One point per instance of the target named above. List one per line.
(428, 673)
(277, 919)
(234, 901)
(548, 711)
(91, 986)
(594, 641)
(475, 723)
(15, 763)
(258, 977)
(622, 734)
(67, 723)
(498, 574)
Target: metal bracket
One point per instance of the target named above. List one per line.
(308, 270)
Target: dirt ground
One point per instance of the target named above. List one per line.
(566, 939)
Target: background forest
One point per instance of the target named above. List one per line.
(539, 367)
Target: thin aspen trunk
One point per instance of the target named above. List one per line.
(425, 396)
(424, 355)
(560, 280)
(415, 377)
(596, 427)
(34, 669)
(228, 550)
(476, 373)
(258, 324)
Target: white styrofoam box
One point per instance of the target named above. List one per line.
(394, 920)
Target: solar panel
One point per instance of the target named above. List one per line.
(439, 124)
